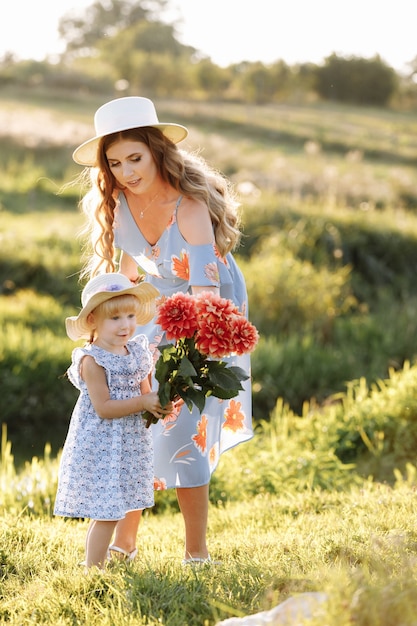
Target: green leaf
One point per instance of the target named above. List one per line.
(240, 373)
(197, 397)
(167, 351)
(164, 393)
(193, 396)
(226, 394)
(228, 378)
(162, 369)
(186, 368)
(184, 395)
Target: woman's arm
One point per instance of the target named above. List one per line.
(195, 289)
(106, 408)
(196, 228)
(128, 267)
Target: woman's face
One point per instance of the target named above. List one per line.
(132, 165)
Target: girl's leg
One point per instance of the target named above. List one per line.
(126, 531)
(193, 502)
(97, 542)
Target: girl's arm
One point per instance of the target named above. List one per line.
(106, 408)
(145, 385)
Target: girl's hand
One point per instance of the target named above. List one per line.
(152, 405)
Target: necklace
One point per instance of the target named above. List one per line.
(143, 211)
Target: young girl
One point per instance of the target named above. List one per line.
(107, 462)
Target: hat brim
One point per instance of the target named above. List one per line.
(77, 326)
(86, 153)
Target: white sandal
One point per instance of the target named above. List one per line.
(198, 560)
(129, 556)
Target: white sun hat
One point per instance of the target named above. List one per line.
(104, 287)
(123, 114)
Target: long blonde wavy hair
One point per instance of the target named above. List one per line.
(188, 173)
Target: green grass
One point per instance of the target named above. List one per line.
(358, 545)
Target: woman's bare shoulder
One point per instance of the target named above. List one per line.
(194, 221)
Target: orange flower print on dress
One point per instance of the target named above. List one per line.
(218, 255)
(181, 265)
(181, 453)
(212, 273)
(213, 455)
(159, 484)
(234, 417)
(172, 220)
(153, 347)
(200, 439)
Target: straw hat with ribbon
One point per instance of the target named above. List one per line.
(102, 288)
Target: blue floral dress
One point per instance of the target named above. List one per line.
(106, 466)
(187, 446)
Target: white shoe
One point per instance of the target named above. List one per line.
(128, 556)
(198, 560)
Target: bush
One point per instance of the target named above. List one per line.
(356, 80)
(37, 399)
(289, 294)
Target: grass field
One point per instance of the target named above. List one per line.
(357, 545)
(322, 499)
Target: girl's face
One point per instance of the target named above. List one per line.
(132, 165)
(112, 333)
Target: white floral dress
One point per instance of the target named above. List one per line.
(187, 447)
(106, 467)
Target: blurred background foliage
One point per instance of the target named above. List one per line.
(129, 46)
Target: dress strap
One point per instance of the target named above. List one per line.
(178, 204)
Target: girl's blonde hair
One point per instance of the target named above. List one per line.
(188, 173)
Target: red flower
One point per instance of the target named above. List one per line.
(222, 328)
(214, 338)
(205, 328)
(177, 316)
(212, 306)
(245, 335)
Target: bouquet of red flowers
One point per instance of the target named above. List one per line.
(205, 328)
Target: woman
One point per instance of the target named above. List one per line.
(174, 218)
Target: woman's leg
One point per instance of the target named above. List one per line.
(126, 531)
(97, 542)
(193, 502)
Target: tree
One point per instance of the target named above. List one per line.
(104, 19)
(129, 39)
(356, 80)
(260, 83)
(211, 78)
